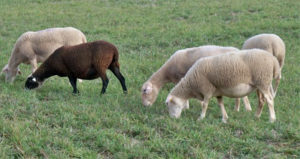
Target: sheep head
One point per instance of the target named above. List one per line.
(176, 105)
(32, 82)
(149, 94)
(10, 73)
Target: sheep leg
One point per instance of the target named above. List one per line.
(105, 82)
(73, 81)
(224, 114)
(261, 103)
(247, 103)
(117, 73)
(237, 104)
(187, 105)
(272, 91)
(268, 96)
(277, 81)
(204, 108)
(201, 103)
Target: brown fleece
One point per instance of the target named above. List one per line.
(84, 61)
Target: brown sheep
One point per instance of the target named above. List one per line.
(85, 61)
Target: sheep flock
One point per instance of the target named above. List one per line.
(201, 72)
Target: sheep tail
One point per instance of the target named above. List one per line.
(115, 59)
(276, 76)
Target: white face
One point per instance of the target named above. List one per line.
(175, 106)
(149, 94)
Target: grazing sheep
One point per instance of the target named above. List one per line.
(269, 42)
(34, 47)
(233, 75)
(85, 61)
(176, 67)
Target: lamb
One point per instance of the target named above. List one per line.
(233, 75)
(35, 47)
(85, 61)
(269, 42)
(176, 67)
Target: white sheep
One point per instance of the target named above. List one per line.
(34, 47)
(269, 42)
(176, 67)
(233, 75)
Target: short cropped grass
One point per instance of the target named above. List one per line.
(51, 122)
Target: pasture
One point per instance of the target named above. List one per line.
(51, 122)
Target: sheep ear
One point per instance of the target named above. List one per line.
(171, 100)
(5, 69)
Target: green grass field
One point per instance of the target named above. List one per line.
(51, 122)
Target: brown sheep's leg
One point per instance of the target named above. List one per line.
(224, 114)
(73, 81)
(121, 78)
(105, 82)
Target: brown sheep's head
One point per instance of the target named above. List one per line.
(32, 82)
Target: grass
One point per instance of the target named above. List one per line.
(50, 122)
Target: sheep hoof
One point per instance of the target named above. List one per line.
(249, 110)
(237, 109)
(200, 118)
(272, 120)
(76, 92)
(125, 92)
(257, 116)
(224, 121)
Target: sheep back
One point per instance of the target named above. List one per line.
(84, 61)
(182, 60)
(269, 42)
(42, 43)
(254, 67)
